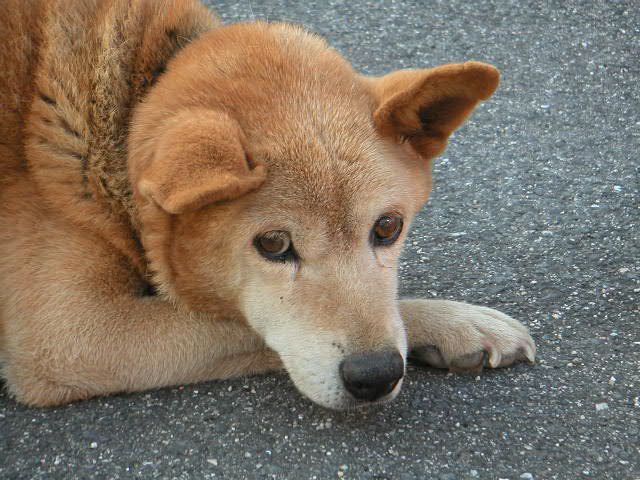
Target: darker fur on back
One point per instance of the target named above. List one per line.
(67, 91)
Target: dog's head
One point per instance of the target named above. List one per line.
(276, 185)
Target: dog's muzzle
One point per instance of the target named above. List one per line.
(371, 376)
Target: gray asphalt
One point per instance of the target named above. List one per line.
(535, 212)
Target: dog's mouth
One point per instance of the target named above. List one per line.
(357, 381)
(350, 402)
(387, 398)
(336, 368)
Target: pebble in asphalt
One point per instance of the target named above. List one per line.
(535, 212)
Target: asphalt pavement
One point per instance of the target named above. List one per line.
(535, 212)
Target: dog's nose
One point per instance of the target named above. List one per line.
(370, 376)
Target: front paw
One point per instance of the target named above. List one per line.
(463, 337)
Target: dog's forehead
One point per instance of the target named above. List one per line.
(319, 184)
(324, 155)
(280, 81)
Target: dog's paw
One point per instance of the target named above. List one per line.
(463, 337)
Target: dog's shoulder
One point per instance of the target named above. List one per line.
(95, 60)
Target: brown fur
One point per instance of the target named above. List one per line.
(141, 143)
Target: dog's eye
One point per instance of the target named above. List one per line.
(275, 245)
(386, 230)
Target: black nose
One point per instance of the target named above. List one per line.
(370, 376)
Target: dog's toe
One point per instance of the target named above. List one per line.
(470, 362)
(429, 355)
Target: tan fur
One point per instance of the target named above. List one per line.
(142, 143)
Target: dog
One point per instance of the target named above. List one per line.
(182, 200)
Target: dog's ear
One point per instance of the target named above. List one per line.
(198, 159)
(425, 106)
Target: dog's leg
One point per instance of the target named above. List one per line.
(102, 347)
(82, 347)
(463, 337)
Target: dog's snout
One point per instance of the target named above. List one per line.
(370, 376)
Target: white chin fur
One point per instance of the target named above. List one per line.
(330, 393)
(314, 368)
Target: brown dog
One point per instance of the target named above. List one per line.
(182, 201)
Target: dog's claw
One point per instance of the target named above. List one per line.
(495, 357)
(529, 352)
(472, 362)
